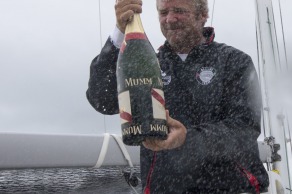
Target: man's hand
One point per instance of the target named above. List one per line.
(175, 139)
(125, 10)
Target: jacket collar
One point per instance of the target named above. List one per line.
(209, 34)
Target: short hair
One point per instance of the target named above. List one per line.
(201, 7)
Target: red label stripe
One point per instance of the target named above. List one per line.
(123, 47)
(126, 116)
(135, 35)
(132, 36)
(158, 97)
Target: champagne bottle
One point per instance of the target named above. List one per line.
(140, 87)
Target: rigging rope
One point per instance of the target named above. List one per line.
(132, 180)
(101, 44)
(283, 34)
(271, 37)
(212, 13)
(100, 32)
(281, 118)
(266, 126)
(259, 73)
(285, 53)
(289, 130)
(276, 48)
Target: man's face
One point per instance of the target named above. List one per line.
(179, 21)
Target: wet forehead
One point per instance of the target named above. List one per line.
(168, 4)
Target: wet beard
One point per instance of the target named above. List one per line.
(184, 46)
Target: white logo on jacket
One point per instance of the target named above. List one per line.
(205, 75)
(166, 79)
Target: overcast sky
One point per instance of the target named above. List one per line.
(46, 47)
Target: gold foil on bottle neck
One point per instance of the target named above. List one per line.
(135, 25)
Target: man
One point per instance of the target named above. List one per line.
(211, 92)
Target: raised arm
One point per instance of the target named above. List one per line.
(102, 86)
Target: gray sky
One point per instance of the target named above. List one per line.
(46, 47)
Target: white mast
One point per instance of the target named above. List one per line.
(270, 67)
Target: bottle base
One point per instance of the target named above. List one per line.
(136, 140)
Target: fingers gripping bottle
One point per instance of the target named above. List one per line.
(140, 88)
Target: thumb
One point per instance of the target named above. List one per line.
(170, 121)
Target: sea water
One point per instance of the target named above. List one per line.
(107, 180)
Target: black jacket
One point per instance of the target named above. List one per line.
(215, 93)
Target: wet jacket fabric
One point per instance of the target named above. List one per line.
(215, 93)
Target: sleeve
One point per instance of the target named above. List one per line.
(102, 85)
(235, 134)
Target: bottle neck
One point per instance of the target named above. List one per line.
(135, 26)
